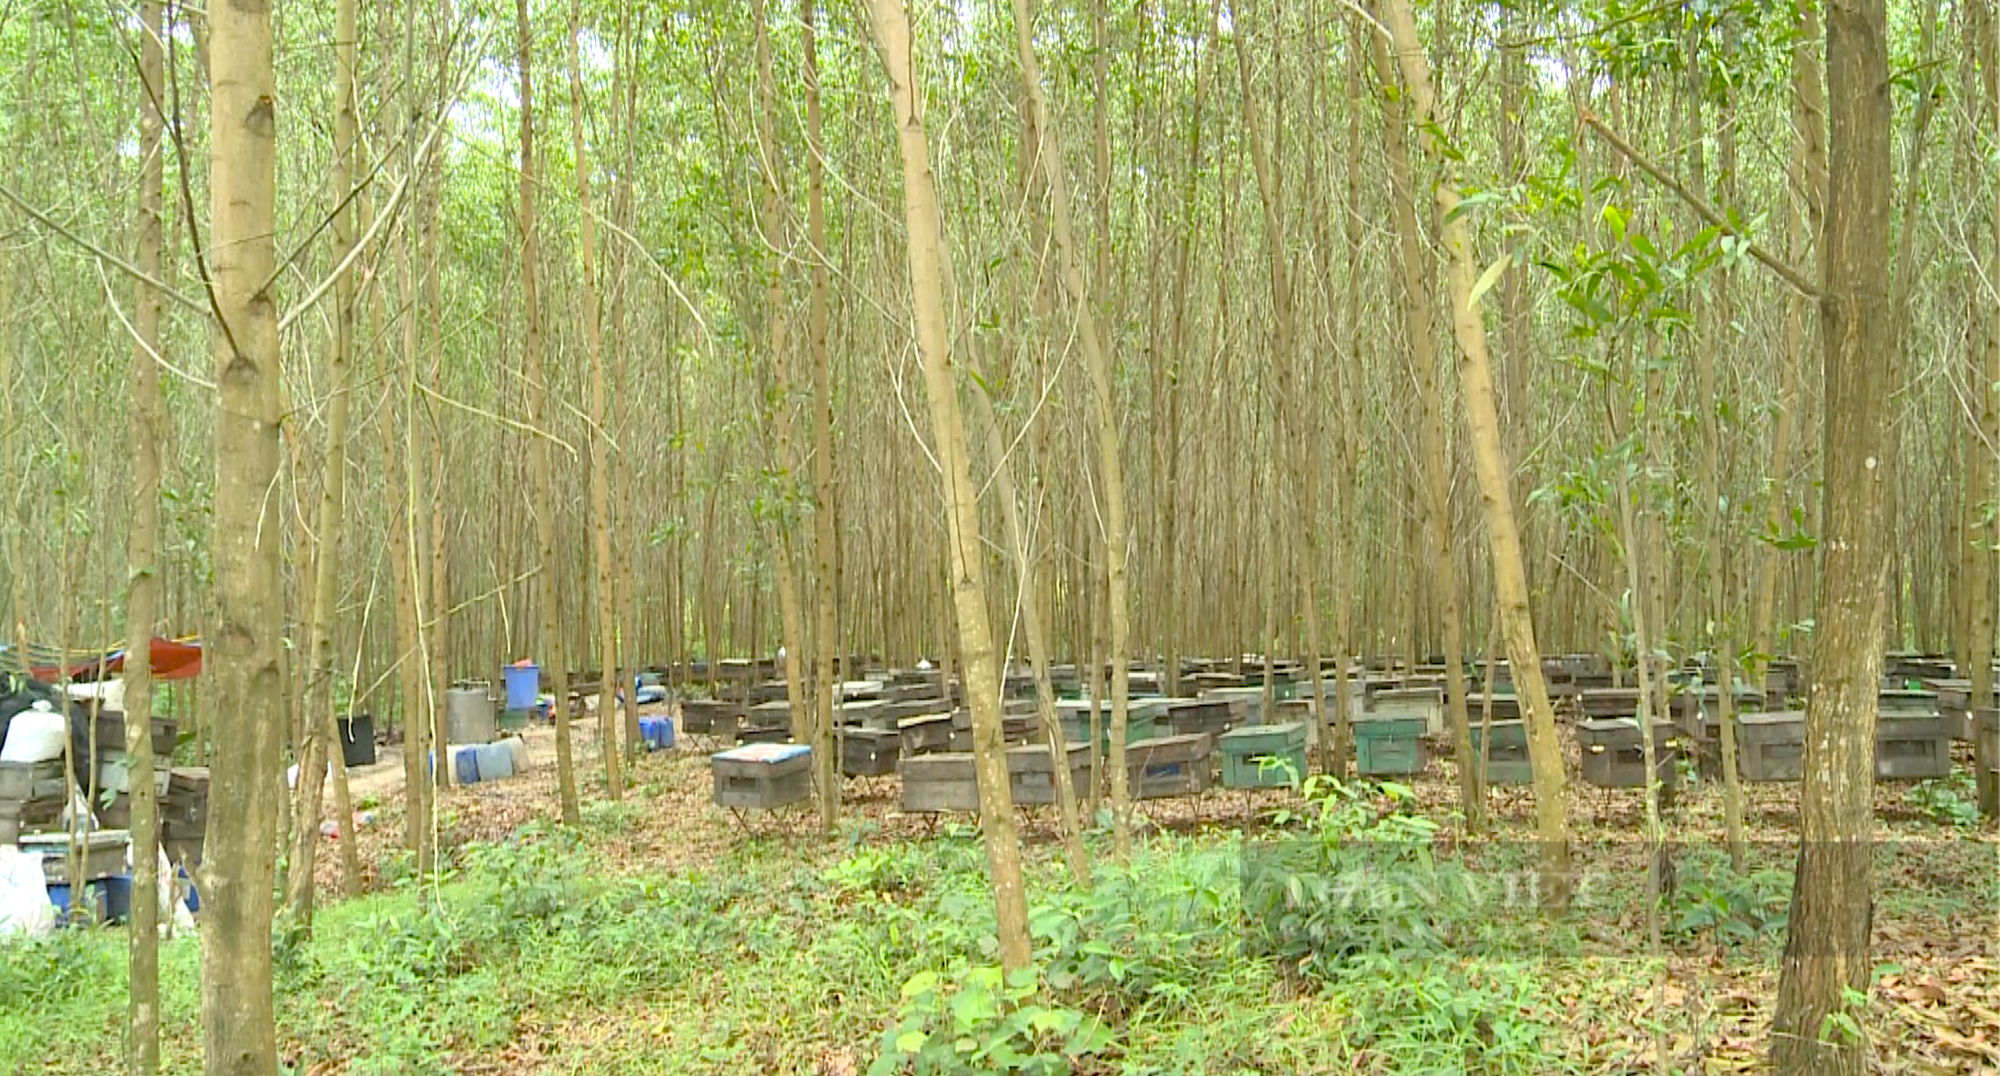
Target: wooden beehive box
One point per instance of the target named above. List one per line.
(1506, 707)
(949, 781)
(1171, 766)
(869, 752)
(1507, 756)
(22, 781)
(867, 714)
(1202, 683)
(1608, 702)
(1612, 755)
(924, 734)
(1250, 698)
(1771, 746)
(1387, 745)
(1141, 720)
(111, 733)
(1912, 746)
(712, 716)
(1186, 717)
(1244, 751)
(762, 777)
(1425, 704)
(1783, 679)
(101, 854)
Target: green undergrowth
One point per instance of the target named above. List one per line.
(1339, 940)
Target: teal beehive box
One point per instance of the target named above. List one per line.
(1244, 751)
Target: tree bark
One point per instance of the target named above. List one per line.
(1804, 213)
(610, 688)
(238, 873)
(824, 749)
(1983, 456)
(1448, 592)
(927, 271)
(1826, 944)
(1101, 366)
(1712, 335)
(553, 655)
(142, 594)
(1291, 387)
(331, 515)
(1510, 581)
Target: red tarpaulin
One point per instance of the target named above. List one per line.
(172, 660)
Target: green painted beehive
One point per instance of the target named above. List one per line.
(1141, 715)
(1507, 758)
(1389, 745)
(1244, 751)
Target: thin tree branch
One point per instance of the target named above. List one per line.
(111, 300)
(1702, 209)
(98, 252)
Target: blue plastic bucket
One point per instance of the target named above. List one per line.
(524, 683)
(465, 765)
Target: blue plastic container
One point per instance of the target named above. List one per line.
(465, 765)
(496, 761)
(96, 892)
(657, 732)
(193, 898)
(524, 684)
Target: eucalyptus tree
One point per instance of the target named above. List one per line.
(928, 269)
(1490, 466)
(142, 594)
(1814, 1025)
(238, 873)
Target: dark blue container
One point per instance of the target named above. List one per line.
(657, 732)
(465, 766)
(95, 892)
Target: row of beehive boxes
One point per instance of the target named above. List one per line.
(768, 776)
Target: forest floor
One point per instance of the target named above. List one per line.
(665, 935)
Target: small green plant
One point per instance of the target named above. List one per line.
(868, 870)
(1709, 898)
(1360, 878)
(978, 1020)
(1948, 801)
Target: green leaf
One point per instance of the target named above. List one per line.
(1488, 278)
(1616, 220)
(921, 982)
(909, 1042)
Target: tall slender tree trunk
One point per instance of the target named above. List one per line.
(1982, 469)
(610, 688)
(1826, 944)
(553, 656)
(1101, 368)
(824, 750)
(331, 515)
(1713, 334)
(1448, 592)
(773, 231)
(238, 873)
(1291, 386)
(142, 593)
(1510, 582)
(1804, 212)
(968, 567)
(1030, 606)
